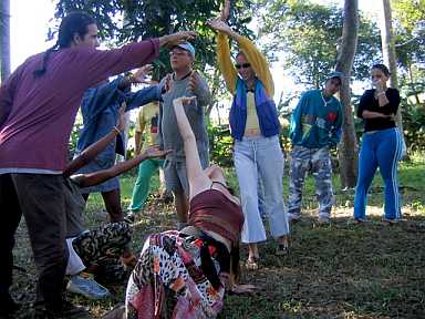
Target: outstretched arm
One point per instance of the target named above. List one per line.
(98, 177)
(224, 60)
(257, 60)
(195, 174)
(90, 152)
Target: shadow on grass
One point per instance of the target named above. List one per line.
(337, 271)
(340, 271)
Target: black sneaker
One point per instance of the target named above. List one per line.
(7, 306)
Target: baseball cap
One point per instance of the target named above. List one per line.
(187, 47)
(334, 75)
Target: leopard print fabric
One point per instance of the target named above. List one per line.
(169, 267)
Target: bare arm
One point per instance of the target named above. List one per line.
(198, 180)
(258, 62)
(103, 175)
(374, 115)
(90, 153)
(172, 40)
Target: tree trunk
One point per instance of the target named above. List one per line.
(388, 50)
(348, 149)
(5, 40)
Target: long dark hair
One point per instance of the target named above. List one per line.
(73, 23)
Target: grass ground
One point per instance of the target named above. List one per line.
(337, 271)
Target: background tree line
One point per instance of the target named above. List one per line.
(310, 39)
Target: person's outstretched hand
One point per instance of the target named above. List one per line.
(154, 151)
(142, 73)
(171, 40)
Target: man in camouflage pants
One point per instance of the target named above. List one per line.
(315, 127)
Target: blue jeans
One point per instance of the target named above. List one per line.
(261, 158)
(379, 149)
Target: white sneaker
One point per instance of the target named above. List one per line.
(87, 287)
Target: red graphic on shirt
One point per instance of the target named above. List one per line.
(154, 124)
(331, 117)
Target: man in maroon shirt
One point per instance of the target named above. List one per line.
(38, 104)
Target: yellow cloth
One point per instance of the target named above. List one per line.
(253, 55)
(147, 124)
(252, 126)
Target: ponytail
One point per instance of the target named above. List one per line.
(39, 72)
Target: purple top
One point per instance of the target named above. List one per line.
(37, 113)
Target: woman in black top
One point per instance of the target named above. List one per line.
(381, 144)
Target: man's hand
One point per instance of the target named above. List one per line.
(142, 73)
(154, 151)
(174, 39)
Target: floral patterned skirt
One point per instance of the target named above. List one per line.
(168, 282)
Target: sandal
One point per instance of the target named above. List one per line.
(252, 263)
(282, 250)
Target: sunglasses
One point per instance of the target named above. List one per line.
(244, 66)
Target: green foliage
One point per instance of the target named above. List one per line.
(128, 20)
(410, 39)
(221, 144)
(414, 125)
(75, 134)
(310, 34)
